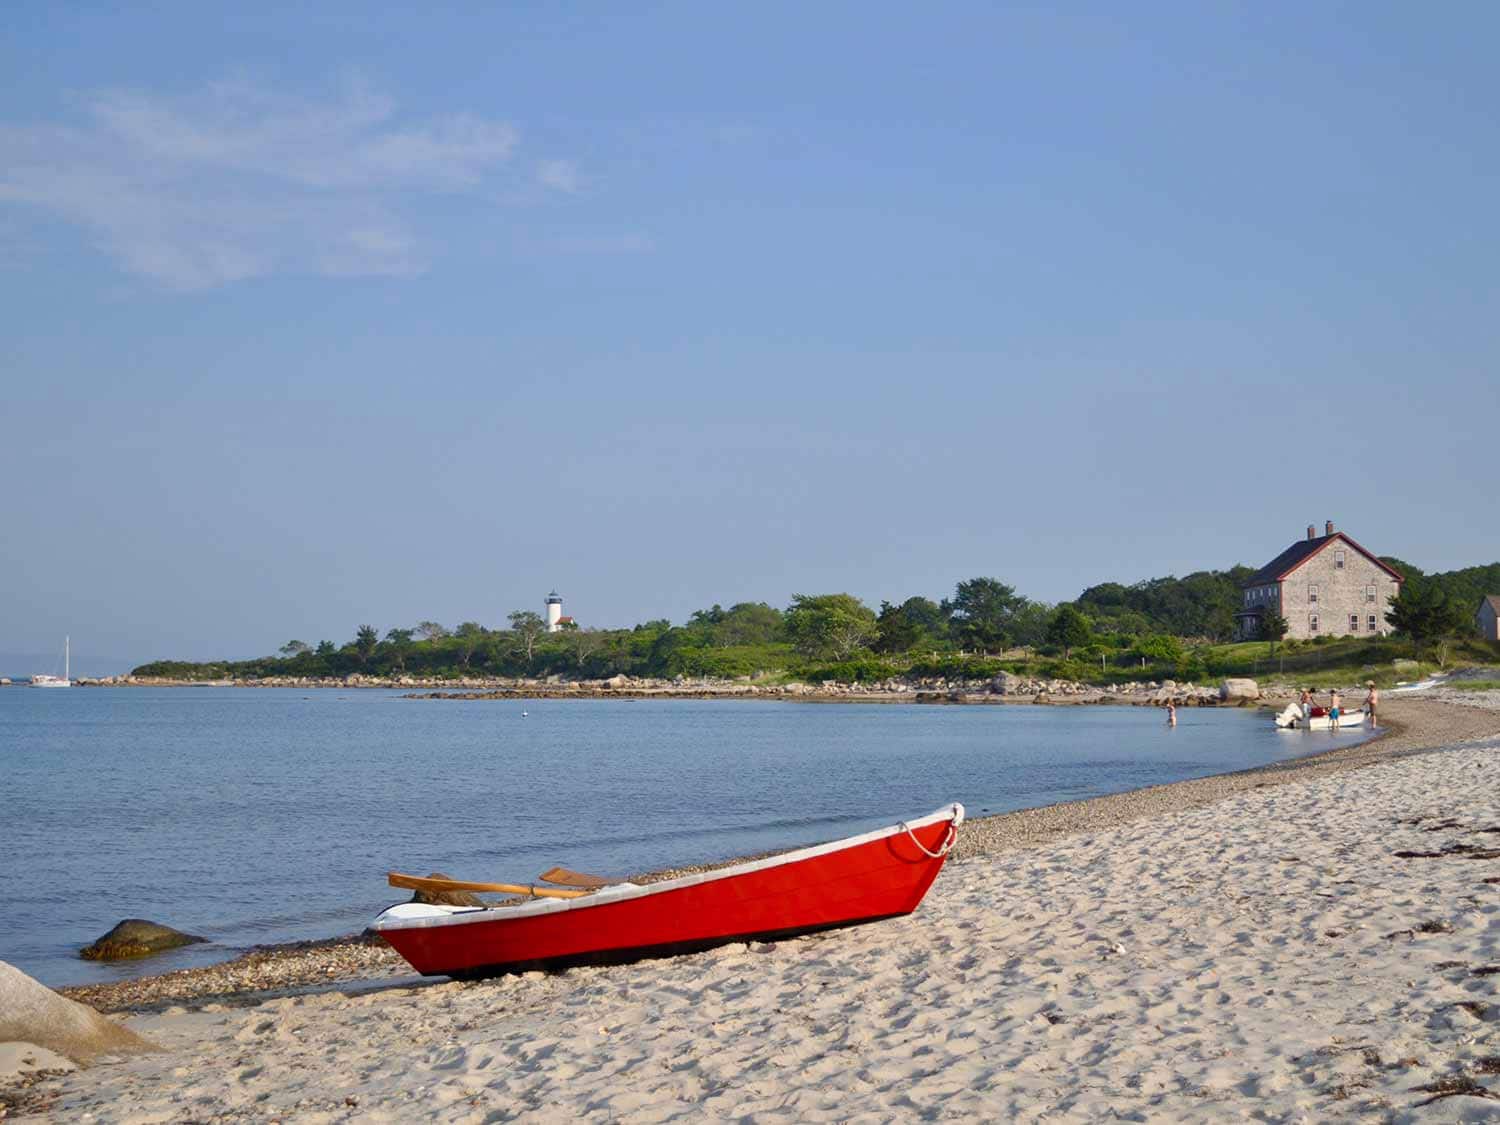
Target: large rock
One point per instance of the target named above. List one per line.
(447, 898)
(1239, 691)
(1005, 683)
(30, 1012)
(136, 937)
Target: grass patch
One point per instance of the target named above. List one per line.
(1474, 685)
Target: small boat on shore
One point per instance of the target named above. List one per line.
(864, 878)
(1292, 719)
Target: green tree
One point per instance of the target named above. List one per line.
(469, 636)
(399, 643)
(1028, 625)
(326, 649)
(295, 648)
(431, 631)
(1069, 629)
(829, 625)
(982, 609)
(1273, 627)
(1159, 648)
(584, 643)
(749, 623)
(1423, 612)
(916, 622)
(528, 628)
(365, 641)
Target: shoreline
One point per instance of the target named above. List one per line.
(1410, 727)
(1003, 689)
(1315, 941)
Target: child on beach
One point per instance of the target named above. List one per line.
(1307, 705)
(1333, 709)
(1372, 701)
(1171, 714)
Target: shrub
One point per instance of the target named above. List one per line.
(859, 669)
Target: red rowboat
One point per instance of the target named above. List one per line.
(864, 878)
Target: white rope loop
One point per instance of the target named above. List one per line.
(943, 849)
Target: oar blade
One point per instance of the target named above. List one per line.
(562, 877)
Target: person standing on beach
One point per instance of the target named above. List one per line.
(1372, 701)
(1306, 702)
(1171, 713)
(1333, 709)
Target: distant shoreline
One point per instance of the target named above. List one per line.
(1002, 690)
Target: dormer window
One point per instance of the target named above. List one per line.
(1338, 560)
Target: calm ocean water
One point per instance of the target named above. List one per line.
(254, 816)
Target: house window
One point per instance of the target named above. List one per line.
(1338, 560)
(1312, 595)
(1372, 622)
(1370, 594)
(1354, 623)
(1312, 622)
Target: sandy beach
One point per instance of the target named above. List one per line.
(1313, 941)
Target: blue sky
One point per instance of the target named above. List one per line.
(322, 318)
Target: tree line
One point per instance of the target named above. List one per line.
(1150, 624)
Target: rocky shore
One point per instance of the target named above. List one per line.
(1003, 688)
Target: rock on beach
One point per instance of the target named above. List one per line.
(1239, 691)
(30, 1012)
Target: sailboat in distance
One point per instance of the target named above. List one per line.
(65, 680)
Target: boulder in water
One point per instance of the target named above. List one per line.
(30, 1012)
(447, 898)
(136, 937)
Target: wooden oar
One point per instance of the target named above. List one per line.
(418, 883)
(565, 878)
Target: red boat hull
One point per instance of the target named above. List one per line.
(827, 887)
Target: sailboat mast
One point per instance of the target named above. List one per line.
(67, 669)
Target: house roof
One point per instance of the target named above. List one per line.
(1304, 549)
(1494, 602)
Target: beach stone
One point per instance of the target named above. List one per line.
(30, 1012)
(1239, 691)
(136, 937)
(1007, 684)
(446, 898)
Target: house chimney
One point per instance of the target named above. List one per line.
(1328, 528)
(1311, 531)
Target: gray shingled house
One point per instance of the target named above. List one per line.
(1324, 585)
(1487, 617)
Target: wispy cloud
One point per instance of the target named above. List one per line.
(559, 175)
(243, 181)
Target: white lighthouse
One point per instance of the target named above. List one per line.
(554, 612)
